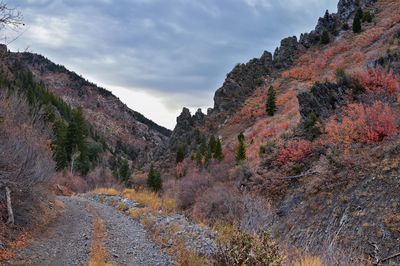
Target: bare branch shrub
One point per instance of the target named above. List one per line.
(221, 203)
(25, 155)
(189, 187)
(9, 17)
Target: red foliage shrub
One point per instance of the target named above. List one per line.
(294, 151)
(363, 123)
(378, 80)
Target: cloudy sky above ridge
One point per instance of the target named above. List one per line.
(160, 55)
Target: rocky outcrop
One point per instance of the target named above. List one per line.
(284, 55)
(185, 127)
(346, 8)
(390, 61)
(241, 82)
(333, 23)
(329, 22)
(322, 99)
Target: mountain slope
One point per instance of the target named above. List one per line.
(322, 173)
(122, 127)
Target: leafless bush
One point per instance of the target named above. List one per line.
(255, 215)
(190, 186)
(25, 159)
(25, 155)
(102, 177)
(221, 203)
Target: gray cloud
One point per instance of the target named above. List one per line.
(180, 50)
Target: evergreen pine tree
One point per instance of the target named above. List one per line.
(124, 172)
(203, 145)
(357, 21)
(218, 155)
(311, 129)
(75, 142)
(271, 101)
(154, 181)
(241, 150)
(180, 154)
(211, 144)
(199, 158)
(325, 38)
(60, 154)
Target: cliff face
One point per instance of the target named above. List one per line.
(139, 137)
(241, 82)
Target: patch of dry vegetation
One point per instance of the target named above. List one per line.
(107, 191)
(151, 200)
(98, 252)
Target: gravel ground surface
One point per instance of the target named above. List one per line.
(198, 239)
(127, 241)
(67, 240)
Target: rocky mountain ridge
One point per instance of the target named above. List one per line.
(241, 82)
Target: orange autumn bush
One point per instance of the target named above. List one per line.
(378, 80)
(294, 151)
(361, 123)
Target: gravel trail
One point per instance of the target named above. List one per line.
(67, 240)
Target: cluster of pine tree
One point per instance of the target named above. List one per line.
(359, 18)
(70, 144)
(71, 148)
(208, 150)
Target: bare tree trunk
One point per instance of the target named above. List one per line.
(73, 159)
(9, 207)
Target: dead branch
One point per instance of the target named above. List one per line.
(391, 257)
(9, 207)
(9, 17)
(295, 177)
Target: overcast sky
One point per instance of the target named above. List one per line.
(160, 55)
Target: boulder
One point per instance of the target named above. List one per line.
(322, 99)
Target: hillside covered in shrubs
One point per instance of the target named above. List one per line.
(309, 139)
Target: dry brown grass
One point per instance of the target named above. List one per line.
(185, 257)
(98, 251)
(392, 222)
(224, 231)
(107, 191)
(138, 213)
(150, 200)
(309, 261)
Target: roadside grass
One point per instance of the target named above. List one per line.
(107, 191)
(309, 261)
(98, 251)
(151, 200)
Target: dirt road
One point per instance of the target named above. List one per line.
(68, 240)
